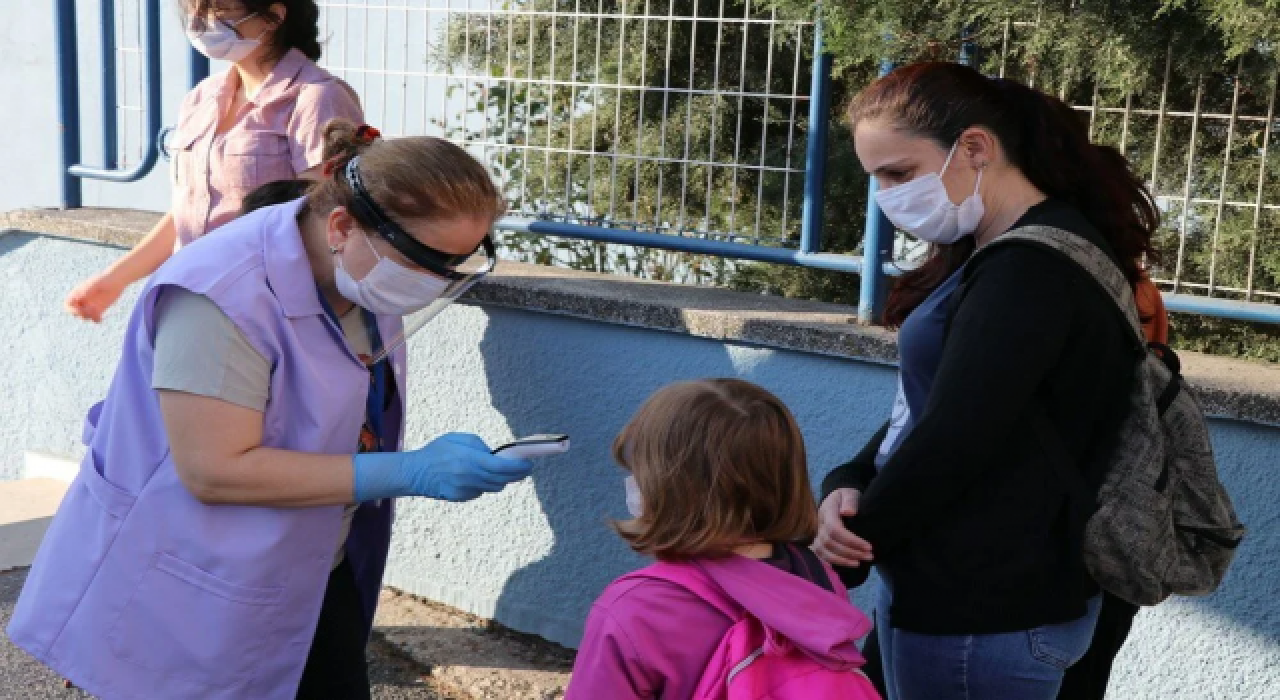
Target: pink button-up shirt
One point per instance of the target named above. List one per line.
(277, 136)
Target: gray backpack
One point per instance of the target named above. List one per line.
(1160, 522)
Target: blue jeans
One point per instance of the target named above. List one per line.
(1023, 665)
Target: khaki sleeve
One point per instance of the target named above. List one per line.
(199, 350)
(317, 104)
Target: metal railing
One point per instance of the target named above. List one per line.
(1201, 138)
(685, 125)
(129, 42)
(700, 126)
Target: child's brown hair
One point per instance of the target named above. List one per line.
(719, 463)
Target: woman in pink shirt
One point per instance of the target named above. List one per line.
(260, 121)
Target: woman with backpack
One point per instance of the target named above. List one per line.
(719, 494)
(975, 535)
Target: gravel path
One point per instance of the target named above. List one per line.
(22, 678)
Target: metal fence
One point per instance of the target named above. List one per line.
(672, 124)
(699, 126)
(1201, 138)
(129, 44)
(653, 115)
(123, 108)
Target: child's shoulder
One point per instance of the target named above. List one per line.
(647, 610)
(639, 593)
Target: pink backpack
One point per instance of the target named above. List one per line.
(753, 662)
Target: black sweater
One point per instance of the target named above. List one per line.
(967, 517)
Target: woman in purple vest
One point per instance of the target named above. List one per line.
(227, 532)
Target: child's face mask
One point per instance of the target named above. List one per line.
(635, 502)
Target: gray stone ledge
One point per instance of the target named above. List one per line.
(121, 227)
(1228, 387)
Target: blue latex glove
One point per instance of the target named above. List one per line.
(454, 467)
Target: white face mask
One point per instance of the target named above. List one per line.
(220, 42)
(923, 209)
(390, 288)
(635, 502)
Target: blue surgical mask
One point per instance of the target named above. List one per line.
(220, 41)
(923, 208)
(635, 502)
(390, 288)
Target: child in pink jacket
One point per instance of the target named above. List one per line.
(718, 478)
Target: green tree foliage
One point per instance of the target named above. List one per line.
(1243, 25)
(608, 114)
(574, 137)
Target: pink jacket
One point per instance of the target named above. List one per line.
(647, 638)
(278, 136)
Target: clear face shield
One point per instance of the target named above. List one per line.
(461, 271)
(470, 271)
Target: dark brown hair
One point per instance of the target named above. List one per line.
(273, 193)
(1042, 137)
(300, 28)
(719, 463)
(417, 177)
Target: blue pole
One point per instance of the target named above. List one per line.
(197, 67)
(877, 249)
(151, 90)
(968, 49)
(815, 181)
(68, 98)
(155, 95)
(1251, 311)
(685, 244)
(110, 125)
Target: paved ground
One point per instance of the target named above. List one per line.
(420, 650)
(22, 678)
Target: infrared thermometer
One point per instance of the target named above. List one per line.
(534, 446)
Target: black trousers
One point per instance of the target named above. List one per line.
(1085, 680)
(336, 668)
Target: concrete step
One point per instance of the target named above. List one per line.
(26, 509)
(43, 465)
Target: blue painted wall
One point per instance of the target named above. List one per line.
(535, 556)
(546, 546)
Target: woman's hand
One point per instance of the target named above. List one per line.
(455, 467)
(92, 297)
(835, 544)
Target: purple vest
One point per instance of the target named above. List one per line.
(141, 591)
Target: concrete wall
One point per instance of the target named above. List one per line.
(535, 556)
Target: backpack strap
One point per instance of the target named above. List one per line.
(1089, 257)
(815, 570)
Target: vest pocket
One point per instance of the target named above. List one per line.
(114, 500)
(184, 621)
